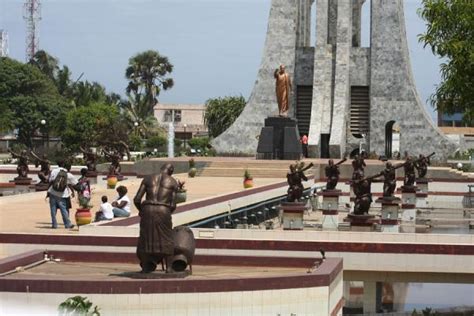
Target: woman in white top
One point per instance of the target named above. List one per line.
(122, 204)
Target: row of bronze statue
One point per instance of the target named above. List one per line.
(361, 185)
(112, 154)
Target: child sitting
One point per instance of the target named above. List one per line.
(105, 211)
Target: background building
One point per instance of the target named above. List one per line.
(188, 119)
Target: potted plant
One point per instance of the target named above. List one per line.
(111, 181)
(181, 194)
(248, 179)
(83, 213)
(192, 168)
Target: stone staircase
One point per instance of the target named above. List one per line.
(448, 174)
(258, 169)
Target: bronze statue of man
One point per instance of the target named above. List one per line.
(90, 159)
(22, 165)
(45, 164)
(283, 89)
(409, 168)
(332, 174)
(358, 164)
(294, 178)
(114, 157)
(390, 180)
(363, 194)
(156, 228)
(422, 165)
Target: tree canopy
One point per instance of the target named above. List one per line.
(222, 112)
(87, 125)
(450, 34)
(27, 97)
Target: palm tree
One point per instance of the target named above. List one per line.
(136, 110)
(147, 73)
(48, 64)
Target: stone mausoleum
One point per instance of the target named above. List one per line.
(343, 94)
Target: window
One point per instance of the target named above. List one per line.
(172, 116)
(168, 116)
(177, 116)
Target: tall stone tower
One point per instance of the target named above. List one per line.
(343, 94)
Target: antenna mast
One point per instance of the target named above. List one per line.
(3, 43)
(32, 15)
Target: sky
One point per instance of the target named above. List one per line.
(214, 45)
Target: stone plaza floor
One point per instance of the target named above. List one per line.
(29, 213)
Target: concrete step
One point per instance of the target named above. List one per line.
(251, 165)
(239, 172)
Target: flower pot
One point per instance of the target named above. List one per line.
(111, 182)
(248, 183)
(181, 197)
(192, 172)
(83, 216)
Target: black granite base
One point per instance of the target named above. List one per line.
(279, 139)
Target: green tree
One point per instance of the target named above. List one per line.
(79, 306)
(222, 112)
(28, 96)
(89, 125)
(147, 75)
(450, 34)
(136, 111)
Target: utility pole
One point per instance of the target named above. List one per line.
(32, 16)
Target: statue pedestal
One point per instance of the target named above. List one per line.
(422, 194)
(408, 220)
(330, 209)
(92, 176)
(293, 215)
(279, 139)
(7, 188)
(41, 186)
(389, 213)
(361, 223)
(22, 181)
(92, 179)
(351, 192)
(156, 275)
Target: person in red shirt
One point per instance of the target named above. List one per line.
(304, 144)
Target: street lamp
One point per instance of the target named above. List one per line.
(43, 122)
(136, 127)
(185, 135)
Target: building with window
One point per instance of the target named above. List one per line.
(188, 119)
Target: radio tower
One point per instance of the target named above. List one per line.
(32, 16)
(3, 43)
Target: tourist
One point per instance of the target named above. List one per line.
(105, 211)
(304, 144)
(85, 186)
(122, 203)
(59, 193)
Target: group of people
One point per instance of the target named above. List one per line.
(62, 187)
